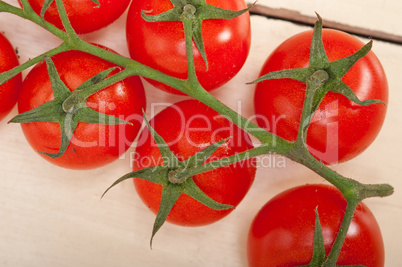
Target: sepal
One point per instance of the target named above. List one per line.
(321, 77)
(196, 11)
(166, 175)
(169, 158)
(54, 110)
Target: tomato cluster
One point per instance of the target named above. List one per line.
(282, 233)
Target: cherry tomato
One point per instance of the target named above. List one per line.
(84, 15)
(9, 90)
(340, 129)
(188, 127)
(92, 145)
(161, 45)
(282, 232)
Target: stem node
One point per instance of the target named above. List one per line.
(173, 177)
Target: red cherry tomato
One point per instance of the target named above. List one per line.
(84, 15)
(283, 230)
(188, 127)
(161, 45)
(92, 145)
(9, 90)
(340, 129)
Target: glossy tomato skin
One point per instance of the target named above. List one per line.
(282, 232)
(161, 45)
(340, 130)
(93, 145)
(188, 127)
(84, 15)
(8, 91)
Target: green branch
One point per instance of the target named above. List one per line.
(249, 154)
(5, 76)
(320, 77)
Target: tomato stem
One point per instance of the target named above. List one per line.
(64, 19)
(4, 7)
(188, 18)
(314, 84)
(249, 154)
(5, 76)
(79, 96)
(315, 76)
(340, 237)
(28, 13)
(172, 176)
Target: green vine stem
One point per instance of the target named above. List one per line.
(5, 76)
(71, 41)
(340, 237)
(352, 190)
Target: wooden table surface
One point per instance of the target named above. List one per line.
(51, 216)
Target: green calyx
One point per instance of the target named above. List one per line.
(319, 257)
(169, 175)
(68, 108)
(318, 248)
(322, 76)
(196, 11)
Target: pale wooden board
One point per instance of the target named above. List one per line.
(54, 217)
(380, 15)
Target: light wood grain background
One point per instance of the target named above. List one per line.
(51, 216)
